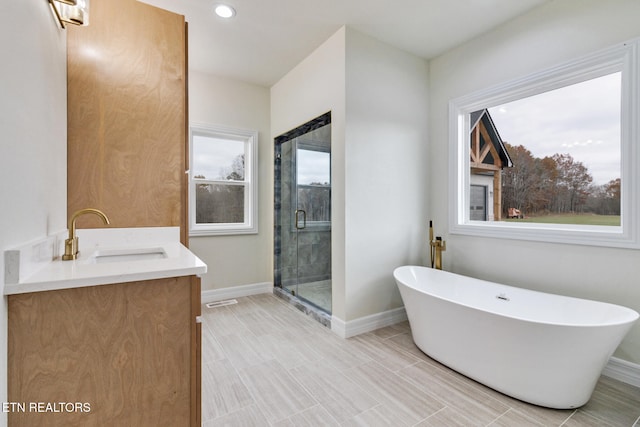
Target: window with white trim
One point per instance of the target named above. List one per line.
(222, 180)
(606, 83)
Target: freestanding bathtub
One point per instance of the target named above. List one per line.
(544, 349)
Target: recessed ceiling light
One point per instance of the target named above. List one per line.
(225, 11)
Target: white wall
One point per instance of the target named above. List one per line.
(312, 88)
(548, 35)
(237, 259)
(386, 171)
(378, 98)
(33, 129)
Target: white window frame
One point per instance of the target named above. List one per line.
(250, 139)
(622, 58)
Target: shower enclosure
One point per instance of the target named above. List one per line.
(303, 212)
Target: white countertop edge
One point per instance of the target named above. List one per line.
(57, 274)
(25, 288)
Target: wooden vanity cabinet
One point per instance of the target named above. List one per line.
(123, 354)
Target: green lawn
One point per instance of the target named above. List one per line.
(581, 219)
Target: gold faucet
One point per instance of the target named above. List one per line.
(71, 244)
(436, 247)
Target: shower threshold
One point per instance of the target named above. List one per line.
(307, 308)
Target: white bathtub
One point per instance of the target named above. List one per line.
(545, 349)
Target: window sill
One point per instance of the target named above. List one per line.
(603, 236)
(223, 231)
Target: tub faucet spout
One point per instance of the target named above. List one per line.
(71, 251)
(436, 247)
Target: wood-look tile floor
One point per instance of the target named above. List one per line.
(266, 364)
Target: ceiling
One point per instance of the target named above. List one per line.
(267, 38)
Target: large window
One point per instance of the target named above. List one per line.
(223, 184)
(553, 156)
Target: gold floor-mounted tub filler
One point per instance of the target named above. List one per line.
(436, 247)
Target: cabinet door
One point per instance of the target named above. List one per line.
(126, 352)
(196, 353)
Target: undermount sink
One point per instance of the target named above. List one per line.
(122, 255)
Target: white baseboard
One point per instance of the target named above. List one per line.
(367, 323)
(624, 371)
(212, 295)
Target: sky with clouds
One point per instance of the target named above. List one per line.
(582, 120)
(313, 167)
(213, 157)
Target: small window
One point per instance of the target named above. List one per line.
(223, 181)
(552, 156)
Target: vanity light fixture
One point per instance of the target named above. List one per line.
(74, 12)
(224, 11)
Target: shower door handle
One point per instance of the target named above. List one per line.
(304, 219)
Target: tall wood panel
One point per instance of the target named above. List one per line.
(127, 116)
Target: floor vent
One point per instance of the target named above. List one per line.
(221, 303)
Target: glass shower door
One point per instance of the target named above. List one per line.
(287, 238)
(303, 215)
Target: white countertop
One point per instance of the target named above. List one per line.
(173, 260)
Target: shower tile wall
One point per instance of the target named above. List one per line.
(287, 247)
(314, 255)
